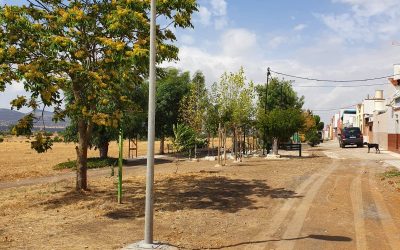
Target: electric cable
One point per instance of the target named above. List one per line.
(338, 86)
(327, 80)
(333, 109)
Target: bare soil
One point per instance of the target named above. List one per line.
(312, 202)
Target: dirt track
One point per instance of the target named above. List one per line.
(343, 207)
(319, 202)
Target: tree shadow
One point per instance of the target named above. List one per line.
(142, 161)
(180, 192)
(311, 236)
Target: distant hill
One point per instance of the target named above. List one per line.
(9, 117)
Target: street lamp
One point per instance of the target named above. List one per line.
(148, 242)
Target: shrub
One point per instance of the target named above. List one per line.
(1, 138)
(312, 137)
(95, 162)
(57, 139)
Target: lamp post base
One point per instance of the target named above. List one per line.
(141, 245)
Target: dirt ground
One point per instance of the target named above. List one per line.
(315, 202)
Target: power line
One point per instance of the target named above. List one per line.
(333, 109)
(339, 86)
(327, 80)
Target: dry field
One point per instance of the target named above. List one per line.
(197, 205)
(19, 161)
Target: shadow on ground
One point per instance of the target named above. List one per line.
(143, 161)
(173, 193)
(311, 236)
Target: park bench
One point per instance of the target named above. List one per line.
(291, 147)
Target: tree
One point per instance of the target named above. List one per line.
(311, 128)
(233, 97)
(283, 123)
(132, 123)
(193, 105)
(90, 50)
(171, 88)
(279, 111)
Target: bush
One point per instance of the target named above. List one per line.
(47, 133)
(312, 137)
(95, 162)
(1, 138)
(57, 139)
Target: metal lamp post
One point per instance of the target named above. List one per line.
(148, 230)
(148, 242)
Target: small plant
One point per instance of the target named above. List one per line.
(391, 174)
(1, 138)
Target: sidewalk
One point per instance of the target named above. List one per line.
(394, 163)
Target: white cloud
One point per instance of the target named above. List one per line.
(218, 7)
(299, 27)
(204, 15)
(369, 8)
(367, 20)
(238, 42)
(213, 12)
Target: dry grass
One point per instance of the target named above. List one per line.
(18, 160)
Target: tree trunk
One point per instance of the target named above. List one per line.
(208, 144)
(103, 150)
(81, 152)
(275, 146)
(162, 141)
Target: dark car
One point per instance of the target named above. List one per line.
(351, 136)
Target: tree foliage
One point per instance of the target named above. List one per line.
(279, 113)
(90, 50)
(233, 97)
(193, 105)
(171, 89)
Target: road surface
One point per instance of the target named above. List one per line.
(343, 206)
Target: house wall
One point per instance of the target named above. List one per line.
(380, 130)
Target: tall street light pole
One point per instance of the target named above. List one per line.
(148, 229)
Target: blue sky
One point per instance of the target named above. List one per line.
(330, 39)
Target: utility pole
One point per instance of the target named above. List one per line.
(265, 109)
(148, 229)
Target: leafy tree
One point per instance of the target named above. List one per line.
(279, 111)
(311, 128)
(90, 50)
(283, 123)
(234, 101)
(184, 137)
(281, 95)
(171, 89)
(132, 123)
(193, 105)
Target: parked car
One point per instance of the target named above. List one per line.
(351, 136)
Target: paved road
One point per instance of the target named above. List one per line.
(343, 207)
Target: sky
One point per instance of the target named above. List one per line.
(324, 39)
